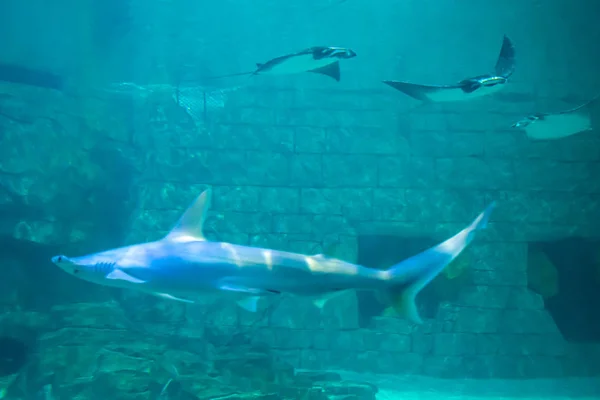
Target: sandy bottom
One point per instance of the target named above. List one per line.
(426, 388)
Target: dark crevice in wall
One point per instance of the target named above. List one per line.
(566, 273)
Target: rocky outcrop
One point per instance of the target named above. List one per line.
(116, 356)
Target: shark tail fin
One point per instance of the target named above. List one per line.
(407, 278)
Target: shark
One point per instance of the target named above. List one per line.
(184, 266)
(318, 59)
(558, 125)
(468, 88)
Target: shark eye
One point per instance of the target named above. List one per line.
(59, 259)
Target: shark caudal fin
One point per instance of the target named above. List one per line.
(407, 278)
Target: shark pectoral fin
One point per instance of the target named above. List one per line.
(189, 226)
(119, 275)
(171, 297)
(332, 70)
(249, 303)
(322, 300)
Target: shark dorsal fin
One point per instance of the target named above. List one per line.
(189, 226)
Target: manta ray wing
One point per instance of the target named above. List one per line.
(332, 70)
(429, 92)
(505, 65)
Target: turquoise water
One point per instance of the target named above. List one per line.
(395, 387)
(116, 114)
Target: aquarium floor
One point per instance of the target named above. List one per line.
(425, 388)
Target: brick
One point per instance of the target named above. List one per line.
(501, 277)
(406, 363)
(454, 344)
(251, 115)
(505, 143)
(422, 344)
(499, 256)
(406, 172)
(485, 296)
(238, 222)
(216, 167)
(354, 140)
(475, 173)
(306, 170)
(276, 241)
(267, 168)
(392, 325)
(169, 195)
(250, 137)
(541, 174)
(450, 205)
(292, 313)
(476, 121)
(527, 321)
(577, 148)
(350, 170)
(354, 203)
(523, 298)
(279, 199)
(474, 320)
(390, 205)
(442, 366)
(310, 140)
(236, 198)
(447, 144)
(291, 223)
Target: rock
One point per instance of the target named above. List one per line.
(597, 264)
(309, 378)
(349, 390)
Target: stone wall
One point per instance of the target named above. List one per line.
(301, 163)
(304, 163)
(301, 169)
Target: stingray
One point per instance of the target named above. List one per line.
(466, 89)
(548, 126)
(319, 59)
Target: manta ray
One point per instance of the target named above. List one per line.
(319, 59)
(468, 88)
(548, 126)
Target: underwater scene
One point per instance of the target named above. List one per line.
(299, 200)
